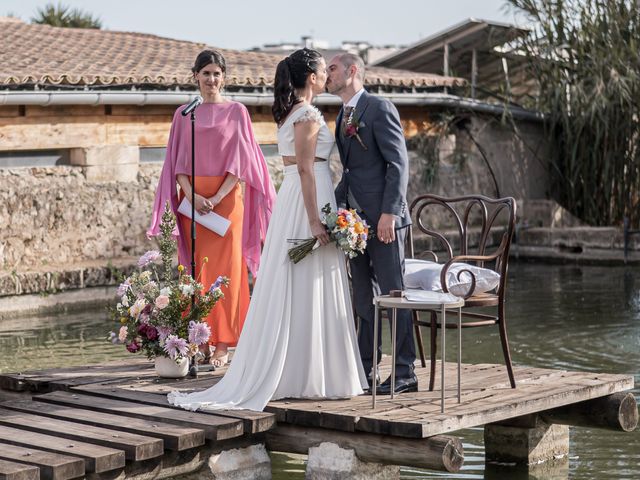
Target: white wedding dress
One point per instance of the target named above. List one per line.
(299, 337)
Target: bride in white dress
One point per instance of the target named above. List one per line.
(299, 337)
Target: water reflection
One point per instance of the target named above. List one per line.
(570, 317)
(56, 341)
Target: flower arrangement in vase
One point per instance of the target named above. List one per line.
(161, 311)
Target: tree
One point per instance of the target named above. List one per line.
(585, 57)
(63, 16)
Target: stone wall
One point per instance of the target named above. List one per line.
(54, 217)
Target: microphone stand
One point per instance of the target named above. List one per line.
(193, 368)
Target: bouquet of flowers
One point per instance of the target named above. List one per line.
(345, 227)
(163, 318)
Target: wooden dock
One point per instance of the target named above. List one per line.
(114, 419)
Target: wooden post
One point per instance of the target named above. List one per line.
(505, 69)
(618, 412)
(474, 72)
(445, 66)
(440, 452)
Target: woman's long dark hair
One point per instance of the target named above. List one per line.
(207, 57)
(291, 74)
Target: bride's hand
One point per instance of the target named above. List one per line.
(319, 231)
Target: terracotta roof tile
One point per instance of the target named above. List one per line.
(44, 55)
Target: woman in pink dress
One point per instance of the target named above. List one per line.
(226, 155)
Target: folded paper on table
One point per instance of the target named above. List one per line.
(214, 222)
(412, 295)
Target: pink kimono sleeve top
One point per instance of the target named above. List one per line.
(224, 143)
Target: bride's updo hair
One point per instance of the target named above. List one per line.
(291, 74)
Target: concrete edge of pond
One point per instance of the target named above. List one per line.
(72, 300)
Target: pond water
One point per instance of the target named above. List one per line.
(570, 317)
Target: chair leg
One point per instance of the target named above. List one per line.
(502, 326)
(423, 360)
(434, 338)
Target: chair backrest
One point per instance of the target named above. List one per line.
(474, 225)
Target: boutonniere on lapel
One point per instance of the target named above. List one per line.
(352, 127)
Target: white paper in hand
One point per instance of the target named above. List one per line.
(214, 222)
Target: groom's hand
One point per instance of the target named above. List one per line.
(386, 228)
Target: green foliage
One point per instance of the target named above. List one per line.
(429, 147)
(584, 55)
(62, 16)
(167, 243)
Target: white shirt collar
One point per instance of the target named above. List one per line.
(353, 101)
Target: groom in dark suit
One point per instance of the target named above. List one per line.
(374, 182)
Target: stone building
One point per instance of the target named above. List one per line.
(85, 116)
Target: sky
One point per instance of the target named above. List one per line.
(243, 24)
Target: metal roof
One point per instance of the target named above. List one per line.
(427, 55)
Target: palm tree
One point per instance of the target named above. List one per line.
(63, 16)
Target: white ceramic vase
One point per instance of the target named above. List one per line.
(167, 368)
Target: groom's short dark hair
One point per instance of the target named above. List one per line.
(349, 59)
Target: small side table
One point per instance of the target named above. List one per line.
(430, 301)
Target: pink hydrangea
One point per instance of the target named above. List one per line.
(122, 334)
(162, 302)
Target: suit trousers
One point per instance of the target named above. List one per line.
(382, 265)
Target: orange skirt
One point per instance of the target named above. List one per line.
(225, 258)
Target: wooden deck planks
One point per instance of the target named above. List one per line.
(174, 437)
(254, 422)
(214, 427)
(136, 447)
(16, 471)
(486, 397)
(52, 466)
(97, 459)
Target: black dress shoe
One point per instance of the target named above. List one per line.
(406, 384)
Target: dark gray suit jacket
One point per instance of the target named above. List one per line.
(377, 176)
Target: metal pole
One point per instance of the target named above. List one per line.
(459, 351)
(444, 343)
(193, 199)
(193, 369)
(374, 357)
(394, 312)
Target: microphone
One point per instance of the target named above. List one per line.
(192, 106)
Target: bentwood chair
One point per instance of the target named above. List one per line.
(478, 232)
